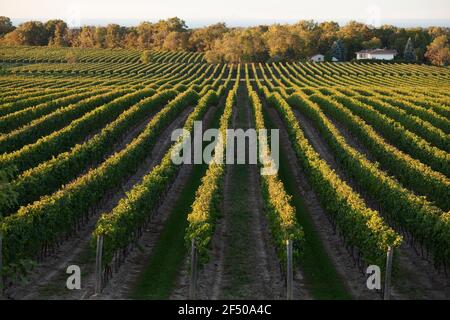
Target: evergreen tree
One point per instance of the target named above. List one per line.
(409, 53)
(338, 50)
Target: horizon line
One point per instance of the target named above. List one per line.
(244, 22)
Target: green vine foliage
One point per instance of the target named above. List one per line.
(280, 212)
(120, 227)
(42, 223)
(360, 226)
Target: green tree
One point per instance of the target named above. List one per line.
(373, 43)
(353, 34)
(203, 39)
(163, 28)
(327, 35)
(385, 33)
(252, 44)
(86, 38)
(6, 25)
(55, 29)
(308, 33)
(131, 39)
(282, 43)
(56, 33)
(31, 33)
(145, 33)
(227, 49)
(113, 38)
(435, 32)
(100, 37)
(176, 41)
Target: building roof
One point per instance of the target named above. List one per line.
(378, 51)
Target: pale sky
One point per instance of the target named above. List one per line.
(81, 12)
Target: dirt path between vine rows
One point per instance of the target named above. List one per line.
(121, 143)
(181, 288)
(243, 263)
(210, 275)
(417, 278)
(122, 283)
(49, 278)
(135, 129)
(354, 280)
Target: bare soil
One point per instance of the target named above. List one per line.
(243, 261)
(342, 261)
(122, 283)
(416, 277)
(45, 284)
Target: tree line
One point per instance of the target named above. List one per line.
(220, 43)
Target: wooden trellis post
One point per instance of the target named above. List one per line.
(289, 270)
(1, 264)
(193, 284)
(387, 279)
(98, 265)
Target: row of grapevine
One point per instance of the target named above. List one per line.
(281, 214)
(23, 104)
(396, 134)
(426, 114)
(414, 215)
(415, 124)
(206, 205)
(16, 94)
(18, 119)
(361, 227)
(306, 75)
(59, 141)
(51, 174)
(122, 226)
(55, 143)
(38, 226)
(54, 121)
(26, 54)
(409, 171)
(422, 99)
(60, 116)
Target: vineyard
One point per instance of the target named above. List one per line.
(85, 143)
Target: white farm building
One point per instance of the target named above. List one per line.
(376, 54)
(320, 58)
(317, 58)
